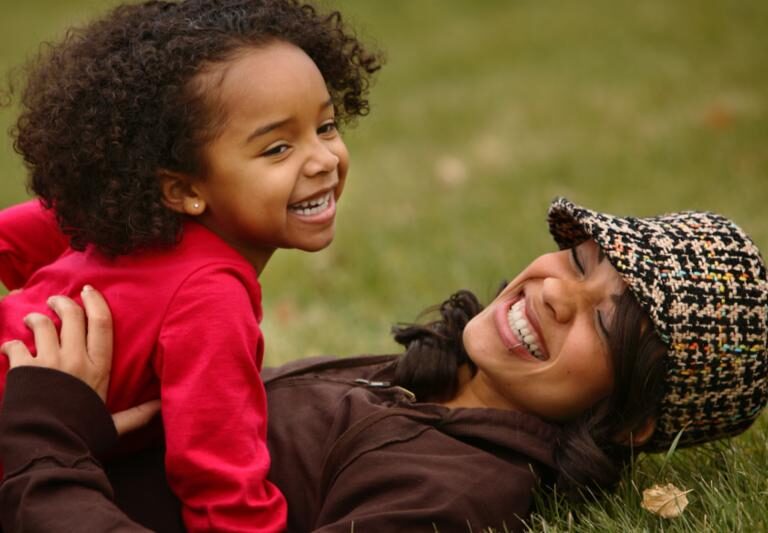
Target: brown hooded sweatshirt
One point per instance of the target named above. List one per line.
(349, 451)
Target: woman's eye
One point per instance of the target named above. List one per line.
(602, 326)
(275, 150)
(577, 261)
(328, 127)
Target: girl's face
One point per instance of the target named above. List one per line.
(275, 171)
(541, 346)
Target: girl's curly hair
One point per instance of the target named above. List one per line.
(117, 100)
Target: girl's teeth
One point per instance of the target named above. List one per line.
(312, 207)
(523, 330)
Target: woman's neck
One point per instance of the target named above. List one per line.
(475, 391)
(465, 394)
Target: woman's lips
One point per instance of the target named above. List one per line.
(533, 321)
(510, 338)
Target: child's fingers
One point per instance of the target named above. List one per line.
(72, 326)
(46, 339)
(17, 353)
(135, 417)
(99, 328)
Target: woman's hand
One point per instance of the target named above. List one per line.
(83, 349)
(86, 356)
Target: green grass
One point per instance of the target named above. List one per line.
(728, 487)
(485, 111)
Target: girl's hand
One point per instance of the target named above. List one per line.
(83, 349)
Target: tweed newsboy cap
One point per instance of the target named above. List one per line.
(702, 281)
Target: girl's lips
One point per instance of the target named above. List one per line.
(512, 342)
(323, 213)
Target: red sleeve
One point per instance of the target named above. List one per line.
(30, 238)
(214, 407)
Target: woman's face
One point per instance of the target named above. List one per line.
(541, 346)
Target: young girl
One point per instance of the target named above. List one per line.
(179, 145)
(638, 331)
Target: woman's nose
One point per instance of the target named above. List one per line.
(560, 298)
(321, 160)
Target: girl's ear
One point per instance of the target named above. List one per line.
(180, 193)
(639, 435)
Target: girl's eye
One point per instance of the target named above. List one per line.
(328, 127)
(275, 150)
(577, 261)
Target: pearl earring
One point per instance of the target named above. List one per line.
(196, 205)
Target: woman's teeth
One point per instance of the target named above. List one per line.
(314, 206)
(520, 326)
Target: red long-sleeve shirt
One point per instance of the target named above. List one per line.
(186, 330)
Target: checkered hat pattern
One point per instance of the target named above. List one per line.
(702, 281)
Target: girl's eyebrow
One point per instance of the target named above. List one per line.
(265, 129)
(274, 125)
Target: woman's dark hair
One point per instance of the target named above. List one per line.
(118, 100)
(587, 454)
(435, 351)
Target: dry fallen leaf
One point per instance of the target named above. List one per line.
(666, 501)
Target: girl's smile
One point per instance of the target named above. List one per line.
(318, 209)
(273, 174)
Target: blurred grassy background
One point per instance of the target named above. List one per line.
(485, 111)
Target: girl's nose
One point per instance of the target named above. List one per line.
(321, 160)
(560, 298)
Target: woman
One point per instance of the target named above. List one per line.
(637, 332)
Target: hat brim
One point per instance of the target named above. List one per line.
(623, 240)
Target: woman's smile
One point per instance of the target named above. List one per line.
(540, 346)
(519, 329)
